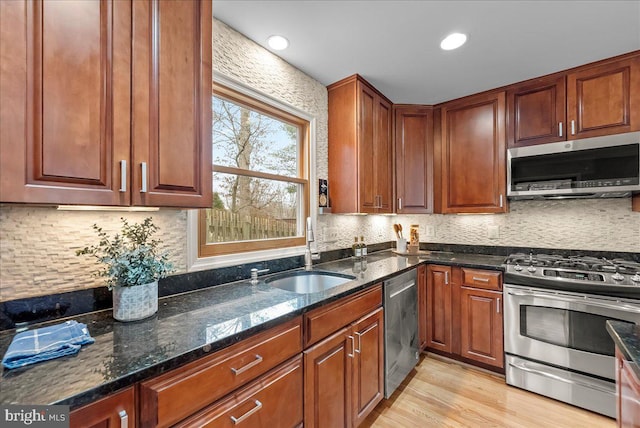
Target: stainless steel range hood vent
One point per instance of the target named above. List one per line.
(599, 167)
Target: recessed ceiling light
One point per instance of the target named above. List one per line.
(278, 42)
(453, 41)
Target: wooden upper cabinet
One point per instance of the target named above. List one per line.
(473, 155)
(65, 101)
(536, 112)
(172, 103)
(360, 148)
(69, 81)
(414, 159)
(604, 98)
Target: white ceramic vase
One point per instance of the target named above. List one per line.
(135, 303)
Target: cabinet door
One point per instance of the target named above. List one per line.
(422, 306)
(115, 411)
(536, 112)
(368, 365)
(383, 171)
(172, 103)
(473, 155)
(327, 381)
(481, 337)
(628, 393)
(439, 308)
(65, 105)
(414, 159)
(604, 99)
(366, 149)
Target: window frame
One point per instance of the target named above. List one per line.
(204, 256)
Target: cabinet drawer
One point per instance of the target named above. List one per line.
(323, 321)
(179, 393)
(272, 401)
(490, 280)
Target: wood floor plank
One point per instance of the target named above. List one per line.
(444, 393)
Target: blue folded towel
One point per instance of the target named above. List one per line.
(41, 344)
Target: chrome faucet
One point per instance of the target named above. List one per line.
(310, 255)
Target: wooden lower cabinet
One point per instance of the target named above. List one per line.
(368, 365)
(628, 393)
(182, 392)
(271, 401)
(344, 373)
(327, 374)
(464, 314)
(439, 305)
(422, 306)
(117, 410)
(481, 337)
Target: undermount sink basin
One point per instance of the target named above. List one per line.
(307, 282)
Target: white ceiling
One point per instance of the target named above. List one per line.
(395, 44)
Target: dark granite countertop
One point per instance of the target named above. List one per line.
(189, 326)
(626, 336)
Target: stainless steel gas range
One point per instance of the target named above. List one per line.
(556, 307)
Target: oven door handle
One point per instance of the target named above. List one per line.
(585, 301)
(559, 378)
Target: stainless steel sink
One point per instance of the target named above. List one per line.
(307, 282)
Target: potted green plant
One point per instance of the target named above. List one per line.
(132, 266)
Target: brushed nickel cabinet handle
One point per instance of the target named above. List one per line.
(399, 203)
(124, 419)
(144, 177)
(446, 278)
(480, 279)
(371, 327)
(246, 415)
(253, 363)
(353, 346)
(498, 305)
(501, 201)
(559, 129)
(573, 127)
(123, 176)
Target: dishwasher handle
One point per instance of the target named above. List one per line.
(403, 289)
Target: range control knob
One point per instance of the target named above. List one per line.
(636, 278)
(518, 268)
(617, 276)
(531, 268)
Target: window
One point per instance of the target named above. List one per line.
(260, 177)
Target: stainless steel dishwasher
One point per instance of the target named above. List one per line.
(400, 329)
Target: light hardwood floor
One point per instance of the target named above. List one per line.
(443, 393)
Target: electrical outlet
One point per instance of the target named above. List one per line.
(493, 231)
(430, 231)
(330, 235)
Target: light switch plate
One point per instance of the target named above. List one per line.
(430, 231)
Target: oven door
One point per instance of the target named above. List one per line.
(564, 329)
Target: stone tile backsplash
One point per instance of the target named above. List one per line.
(37, 245)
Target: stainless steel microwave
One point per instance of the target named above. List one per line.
(599, 167)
